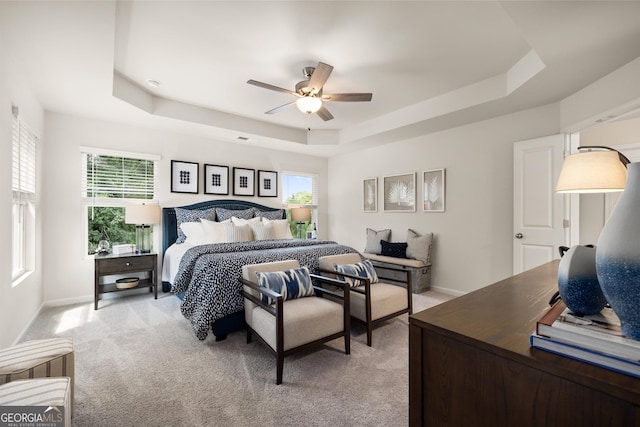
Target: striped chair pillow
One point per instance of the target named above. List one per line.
(362, 269)
(291, 284)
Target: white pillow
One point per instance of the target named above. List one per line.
(241, 221)
(193, 232)
(281, 227)
(237, 233)
(213, 231)
(263, 231)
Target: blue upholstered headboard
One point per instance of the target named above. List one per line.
(170, 223)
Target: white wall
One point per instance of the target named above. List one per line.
(19, 304)
(69, 274)
(474, 235)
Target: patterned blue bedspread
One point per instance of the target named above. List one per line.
(208, 274)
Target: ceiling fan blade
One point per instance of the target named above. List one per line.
(348, 97)
(280, 108)
(324, 114)
(319, 77)
(271, 87)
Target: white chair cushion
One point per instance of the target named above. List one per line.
(385, 299)
(305, 320)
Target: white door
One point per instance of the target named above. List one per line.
(538, 212)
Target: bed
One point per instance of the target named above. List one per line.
(205, 276)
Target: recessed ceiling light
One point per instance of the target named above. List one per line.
(153, 83)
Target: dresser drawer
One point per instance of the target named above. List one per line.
(125, 264)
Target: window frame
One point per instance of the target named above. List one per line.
(25, 143)
(88, 202)
(314, 195)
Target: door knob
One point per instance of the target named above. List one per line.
(519, 236)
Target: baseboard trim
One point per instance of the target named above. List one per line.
(68, 301)
(24, 330)
(447, 291)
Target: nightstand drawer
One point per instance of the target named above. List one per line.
(125, 264)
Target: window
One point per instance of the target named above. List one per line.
(299, 189)
(23, 185)
(110, 181)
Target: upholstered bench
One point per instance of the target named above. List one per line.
(39, 359)
(420, 272)
(52, 394)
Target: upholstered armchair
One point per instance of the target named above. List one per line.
(288, 313)
(372, 300)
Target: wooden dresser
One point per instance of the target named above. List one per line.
(470, 364)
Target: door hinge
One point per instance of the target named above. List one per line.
(566, 223)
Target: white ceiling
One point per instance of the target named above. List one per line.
(429, 64)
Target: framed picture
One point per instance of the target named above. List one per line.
(216, 179)
(244, 182)
(184, 177)
(433, 191)
(400, 193)
(267, 184)
(370, 195)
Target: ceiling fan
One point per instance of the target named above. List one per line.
(309, 92)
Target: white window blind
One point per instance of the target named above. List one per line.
(24, 161)
(113, 176)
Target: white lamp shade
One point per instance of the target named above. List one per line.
(309, 104)
(592, 172)
(142, 214)
(301, 214)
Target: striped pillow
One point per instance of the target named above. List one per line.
(263, 231)
(291, 284)
(237, 233)
(362, 269)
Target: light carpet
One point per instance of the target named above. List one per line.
(138, 363)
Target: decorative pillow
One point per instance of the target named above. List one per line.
(262, 231)
(294, 283)
(270, 214)
(362, 269)
(281, 227)
(224, 214)
(241, 221)
(237, 233)
(188, 215)
(419, 247)
(373, 240)
(194, 234)
(213, 231)
(397, 250)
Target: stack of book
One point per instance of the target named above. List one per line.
(595, 339)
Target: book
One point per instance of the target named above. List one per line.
(618, 364)
(598, 332)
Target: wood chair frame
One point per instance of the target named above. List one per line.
(366, 284)
(277, 311)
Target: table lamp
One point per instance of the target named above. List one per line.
(143, 216)
(300, 215)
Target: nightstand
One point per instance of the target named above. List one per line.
(112, 265)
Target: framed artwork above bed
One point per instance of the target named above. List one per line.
(184, 177)
(267, 184)
(216, 179)
(244, 182)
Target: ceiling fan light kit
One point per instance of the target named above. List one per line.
(309, 92)
(309, 104)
